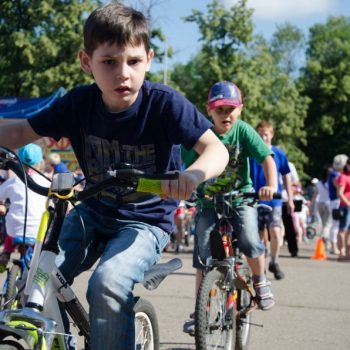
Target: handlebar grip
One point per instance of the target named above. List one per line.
(255, 195)
(149, 184)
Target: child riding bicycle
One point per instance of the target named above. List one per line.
(122, 118)
(14, 190)
(225, 106)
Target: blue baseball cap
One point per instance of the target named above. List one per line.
(30, 154)
(224, 93)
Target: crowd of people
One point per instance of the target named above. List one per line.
(21, 211)
(123, 117)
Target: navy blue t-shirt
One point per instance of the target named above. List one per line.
(331, 188)
(147, 135)
(258, 177)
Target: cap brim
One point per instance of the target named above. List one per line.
(224, 102)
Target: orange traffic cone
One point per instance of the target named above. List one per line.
(319, 253)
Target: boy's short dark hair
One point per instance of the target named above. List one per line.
(115, 24)
(264, 124)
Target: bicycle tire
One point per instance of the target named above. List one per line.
(215, 321)
(10, 345)
(79, 316)
(243, 326)
(146, 325)
(11, 301)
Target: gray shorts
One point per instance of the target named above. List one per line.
(267, 218)
(245, 223)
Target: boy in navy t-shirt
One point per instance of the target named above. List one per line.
(121, 118)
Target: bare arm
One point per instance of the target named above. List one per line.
(340, 193)
(17, 134)
(270, 172)
(287, 183)
(212, 160)
(213, 157)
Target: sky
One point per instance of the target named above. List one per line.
(183, 37)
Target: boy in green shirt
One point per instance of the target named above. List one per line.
(242, 141)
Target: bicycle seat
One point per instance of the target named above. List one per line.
(28, 241)
(155, 275)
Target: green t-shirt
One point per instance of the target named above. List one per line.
(242, 142)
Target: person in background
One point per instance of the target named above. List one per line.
(343, 192)
(290, 233)
(14, 190)
(225, 106)
(339, 163)
(272, 220)
(319, 204)
(300, 217)
(58, 166)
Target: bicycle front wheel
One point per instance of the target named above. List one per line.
(10, 345)
(215, 321)
(243, 322)
(244, 312)
(146, 326)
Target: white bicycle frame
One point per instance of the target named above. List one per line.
(40, 322)
(45, 285)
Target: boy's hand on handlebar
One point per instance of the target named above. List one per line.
(266, 193)
(180, 188)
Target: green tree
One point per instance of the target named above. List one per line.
(288, 47)
(39, 44)
(231, 52)
(326, 81)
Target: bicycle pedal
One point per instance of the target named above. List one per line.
(253, 324)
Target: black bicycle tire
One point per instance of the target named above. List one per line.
(79, 316)
(243, 327)
(143, 308)
(11, 289)
(213, 277)
(10, 345)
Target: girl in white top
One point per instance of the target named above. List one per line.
(320, 203)
(14, 189)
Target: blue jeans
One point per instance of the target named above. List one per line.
(244, 221)
(128, 249)
(344, 222)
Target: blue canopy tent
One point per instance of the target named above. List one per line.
(12, 108)
(15, 108)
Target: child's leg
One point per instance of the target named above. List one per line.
(9, 247)
(133, 249)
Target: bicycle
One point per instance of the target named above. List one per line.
(16, 273)
(39, 325)
(226, 298)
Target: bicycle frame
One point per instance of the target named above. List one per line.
(40, 322)
(45, 287)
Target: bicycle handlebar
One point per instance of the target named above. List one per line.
(137, 180)
(255, 195)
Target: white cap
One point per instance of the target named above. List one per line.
(339, 161)
(314, 181)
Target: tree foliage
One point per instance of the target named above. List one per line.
(39, 44)
(230, 51)
(287, 47)
(326, 81)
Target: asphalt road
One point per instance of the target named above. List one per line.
(312, 309)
